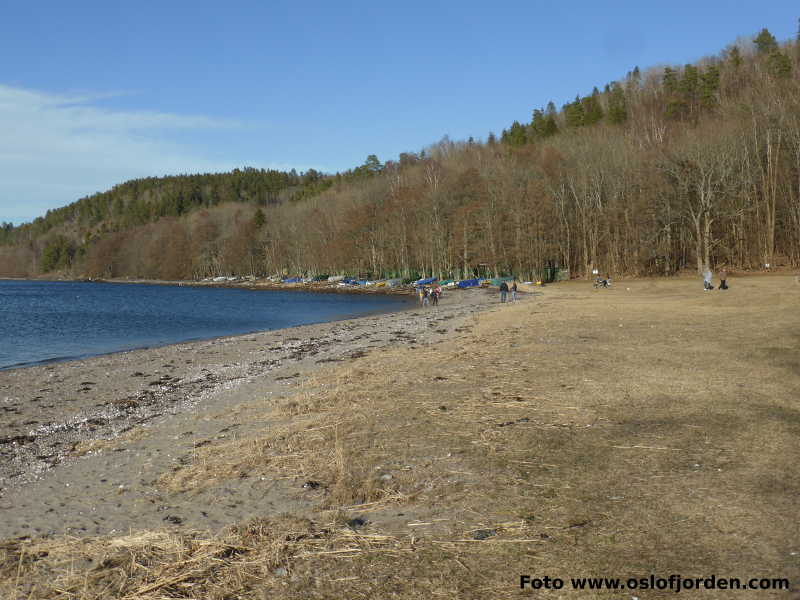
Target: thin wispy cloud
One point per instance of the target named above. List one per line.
(55, 148)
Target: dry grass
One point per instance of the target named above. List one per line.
(590, 432)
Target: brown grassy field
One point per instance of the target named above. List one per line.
(650, 428)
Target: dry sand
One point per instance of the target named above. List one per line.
(651, 428)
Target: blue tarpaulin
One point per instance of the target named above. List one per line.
(292, 280)
(465, 283)
(426, 281)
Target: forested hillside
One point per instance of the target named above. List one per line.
(669, 168)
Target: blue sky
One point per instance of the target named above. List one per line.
(93, 93)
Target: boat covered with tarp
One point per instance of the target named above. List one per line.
(467, 283)
(427, 281)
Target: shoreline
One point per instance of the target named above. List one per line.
(255, 285)
(60, 416)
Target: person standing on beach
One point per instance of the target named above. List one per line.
(421, 293)
(425, 297)
(723, 279)
(435, 296)
(503, 291)
(514, 291)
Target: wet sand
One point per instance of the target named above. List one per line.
(83, 443)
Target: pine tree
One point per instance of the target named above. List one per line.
(544, 124)
(765, 42)
(670, 80)
(537, 123)
(592, 110)
(633, 80)
(373, 165)
(709, 86)
(680, 91)
(617, 107)
(780, 65)
(690, 83)
(550, 123)
(573, 113)
(515, 136)
(735, 57)
(259, 219)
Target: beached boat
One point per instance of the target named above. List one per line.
(467, 283)
(427, 281)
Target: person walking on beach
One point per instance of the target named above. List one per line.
(514, 291)
(723, 279)
(503, 291)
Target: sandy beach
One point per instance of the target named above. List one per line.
(83, 443)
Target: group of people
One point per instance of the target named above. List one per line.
(599, 282)
(429, 295)
(504, 289)
(708, 278)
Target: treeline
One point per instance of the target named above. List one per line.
(141, 201)
(668, 169)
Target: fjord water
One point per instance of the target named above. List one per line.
(44, 321)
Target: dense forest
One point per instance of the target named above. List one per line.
(670, 168)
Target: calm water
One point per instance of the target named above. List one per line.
(43, 321)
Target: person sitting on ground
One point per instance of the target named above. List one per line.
(599, 282)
